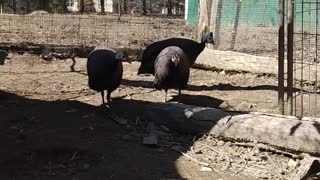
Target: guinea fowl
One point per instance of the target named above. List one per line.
(191, 48)
(104, 68)
(172, 70)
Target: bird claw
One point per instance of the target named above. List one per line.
(106, 106)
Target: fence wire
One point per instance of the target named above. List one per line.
(128, 26)
(306, 59)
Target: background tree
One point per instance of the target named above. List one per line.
(44, 5)
(125, 8)
(28, 6)
(144, 7)
(102, 6)
(170, 5)
(14, 6)
(81, 6)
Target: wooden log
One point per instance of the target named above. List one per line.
(283, 132)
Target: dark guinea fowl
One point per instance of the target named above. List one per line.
(172, 69)
(104, 68)
(191, 48)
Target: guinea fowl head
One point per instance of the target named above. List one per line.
(175, 59)
(208, 38)
(122, 56)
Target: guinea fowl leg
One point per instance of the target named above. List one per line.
(72, 65)
(165, 97)
(102, 95)
(108, 96)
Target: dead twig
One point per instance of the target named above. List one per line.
(226, 157)
(192, 159)
(74, 155)
(267, 148)
(275, 164)
(110, 177)
(242, 167)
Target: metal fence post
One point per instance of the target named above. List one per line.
(290, 56)
(281, 57)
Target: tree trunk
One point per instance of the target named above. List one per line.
(64, 6)
(44, 5)
(278, 131)
(125, 8)
(14, 6)
(203, 20)
(216, 11)
(81, 6)
(28, 6)
(102, 6)
(170, 5)
(1, 7)
(120, 7)
(144, 7)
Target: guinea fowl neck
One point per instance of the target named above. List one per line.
(202, 45)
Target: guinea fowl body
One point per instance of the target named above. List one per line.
(104, 71)
(169, 74)
(191, 48)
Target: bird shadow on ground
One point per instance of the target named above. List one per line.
(66, 139)
(220, 86)
(198, 100)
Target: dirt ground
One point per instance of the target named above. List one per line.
(53, 127)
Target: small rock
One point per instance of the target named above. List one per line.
(198, 151)
(150, 140)
(128, 127)
(14, 127)
(161, 133)
(177, 147)
(161, 150)
(71, 110)
(86, 129)
(220, 143)
(85, 116)
(164, 128)
(119, 120)
(219, 158)
(126, 137)
(213, 143)
(205, 169)
(228, 143)
(150, 127)
(292, 163)
(86, 166)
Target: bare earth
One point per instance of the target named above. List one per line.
(53, 127)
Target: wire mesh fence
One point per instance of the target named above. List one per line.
(248, 26)
(305, 58)
(125, 26)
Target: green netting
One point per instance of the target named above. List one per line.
(192, 12)
(258, 12)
